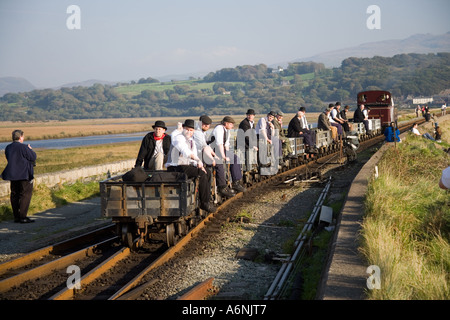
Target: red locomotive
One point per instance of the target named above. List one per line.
(381, 106)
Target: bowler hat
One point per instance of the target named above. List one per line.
(228, 119)
(205, 119)
(160, 124)
(250, 111)
(189, 123)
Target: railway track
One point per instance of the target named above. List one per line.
(98, 260)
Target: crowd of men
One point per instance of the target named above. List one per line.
(198, 150)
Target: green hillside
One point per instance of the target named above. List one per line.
(234, 90)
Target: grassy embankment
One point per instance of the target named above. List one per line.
(406, 230)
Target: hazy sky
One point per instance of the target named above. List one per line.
(128, 40)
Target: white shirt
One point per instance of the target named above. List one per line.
(218, 134)
(158, 148)
(304, 122)
(261, 127)
(181, 151)
(415, 131)
(330, 118)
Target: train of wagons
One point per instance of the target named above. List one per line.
(165, 207)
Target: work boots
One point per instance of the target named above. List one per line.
(225, 192)
(237, 186)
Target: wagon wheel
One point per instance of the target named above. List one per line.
(171, 237)
(127, 236)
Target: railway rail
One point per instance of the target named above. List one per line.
(41, 264)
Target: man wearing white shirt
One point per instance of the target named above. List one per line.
(415, 130)
(220, 141)
(183, 158)
(205, 152)
(332, 120)
(264, 127)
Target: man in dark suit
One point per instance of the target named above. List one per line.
(247, 141)
(154, 148)
(246, 124)
(295, 130)
(20, 172)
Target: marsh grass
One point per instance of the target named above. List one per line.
(406, 230)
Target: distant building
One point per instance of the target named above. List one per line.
(422, 100)
(277, 70)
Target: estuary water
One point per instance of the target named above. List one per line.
(64, 143)
(80, 141)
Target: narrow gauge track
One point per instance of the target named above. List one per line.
(132, 267)
(36, 269)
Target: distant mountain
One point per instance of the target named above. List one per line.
(419, 43)
(14, 85)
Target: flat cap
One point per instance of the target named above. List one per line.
(205, 119)
(228, 119)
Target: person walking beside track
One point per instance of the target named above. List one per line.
(20, 172)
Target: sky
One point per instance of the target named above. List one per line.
(111, 40)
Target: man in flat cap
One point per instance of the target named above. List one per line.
(154, 148)
(265, 128)
(205, 152)
(285, 148)
(183, 157)
(220, 142)
(201, 138)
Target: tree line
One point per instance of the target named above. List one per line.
(234, 90)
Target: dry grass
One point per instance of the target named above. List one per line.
(406, 231)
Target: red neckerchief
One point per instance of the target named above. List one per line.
(160, 138)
